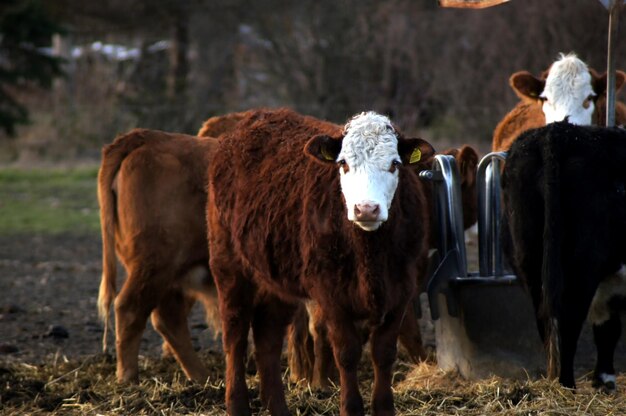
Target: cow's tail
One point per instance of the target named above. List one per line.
(551, 273)
(112, 157)
(300, 349)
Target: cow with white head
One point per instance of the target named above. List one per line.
(300, 209)
(568, 90)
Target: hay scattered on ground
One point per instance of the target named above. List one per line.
(88, 387)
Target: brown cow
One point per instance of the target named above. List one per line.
(151, 189)
(309, 353)
(568, 89)
(302, 331)
(296, 212)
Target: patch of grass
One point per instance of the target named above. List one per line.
(53, 200)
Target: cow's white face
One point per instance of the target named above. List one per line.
(568, 92)
(368, 164)
(368, 156)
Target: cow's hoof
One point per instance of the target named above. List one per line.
(606, 383)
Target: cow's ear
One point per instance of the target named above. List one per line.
(467, 160)
(416, 153)
(323, 148)
(599, 81)
(526, 85)
(620, 78)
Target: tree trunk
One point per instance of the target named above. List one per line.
(179, 65)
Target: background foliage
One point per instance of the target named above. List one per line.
(442, 73)
(24, 27)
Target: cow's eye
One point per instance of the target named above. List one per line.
(394, 165)
(343, 165)
(588, 100)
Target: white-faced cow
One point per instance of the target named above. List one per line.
(568, 89)
(296, 214)
(309, 353)
(151, 189)
(565, 204)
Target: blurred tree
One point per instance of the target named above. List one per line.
(442, 73)
(158, 96)
(25, 29)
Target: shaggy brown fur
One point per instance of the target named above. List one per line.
(310, 356)
(279, 233)
(151, 189)
(527, 114)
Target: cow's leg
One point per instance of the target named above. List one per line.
(573, 314)
(133, 306)
(167, 350)
(411, 338)
(235, 295)
(170, 320)
(346, 342)
(519, 242)
(606, 336)
(324, 369)
(537, 298)
(235, 325)
(384, 350)
(269, 325)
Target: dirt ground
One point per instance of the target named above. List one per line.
(49, 286)
(51, 361)
(48, 293)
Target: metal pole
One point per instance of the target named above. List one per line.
(488, 187)
(451, 214)
(615, 7)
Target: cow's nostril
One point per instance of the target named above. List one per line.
(366, 212)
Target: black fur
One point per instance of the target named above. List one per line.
(564, 204)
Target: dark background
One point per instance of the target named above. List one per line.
(441, 73)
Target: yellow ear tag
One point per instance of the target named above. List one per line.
(325, 154)
(415, 156)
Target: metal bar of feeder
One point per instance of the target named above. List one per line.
(495, 216)
(614, 9)
(488, 179)
(487, 210)
(451, 216)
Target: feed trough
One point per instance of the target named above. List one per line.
(484, 320)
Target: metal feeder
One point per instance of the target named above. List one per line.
(484, 321)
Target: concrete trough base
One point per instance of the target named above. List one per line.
(494, 334)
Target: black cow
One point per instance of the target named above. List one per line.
(565, 204)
